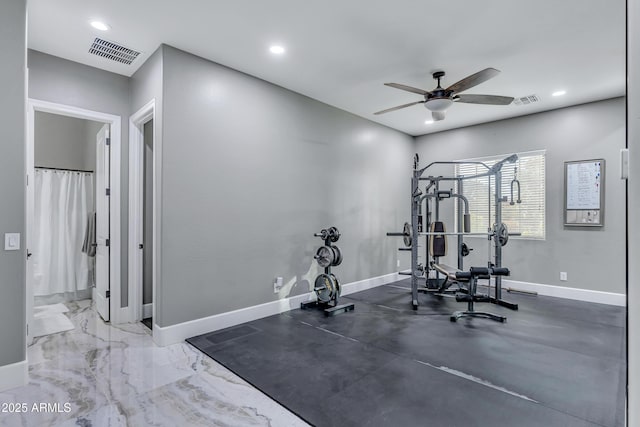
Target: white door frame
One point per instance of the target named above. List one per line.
(136, 209)
(114, 121)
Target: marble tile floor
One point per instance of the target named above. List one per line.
(114, 375)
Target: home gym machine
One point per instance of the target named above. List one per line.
(327, 286)
(435, 237)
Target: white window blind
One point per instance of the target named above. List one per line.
(527, 217)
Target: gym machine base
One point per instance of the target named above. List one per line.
(471, 297)
(327, 286)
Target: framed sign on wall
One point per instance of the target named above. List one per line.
(584, 193)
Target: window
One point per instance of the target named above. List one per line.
(526, 217)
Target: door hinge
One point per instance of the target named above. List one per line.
(108, 294)
(108, 243)
(27, 329)
(108, 191)
(108, 142)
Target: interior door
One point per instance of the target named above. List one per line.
(102, 223)
(30, 221)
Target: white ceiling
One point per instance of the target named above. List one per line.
(342, 51)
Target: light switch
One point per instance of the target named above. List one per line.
(11, 241)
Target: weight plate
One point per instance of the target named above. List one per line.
(323, 234)
(335, 255)
(338, 259)
(406, 231)
(336, 285)
(334, 234)
(324, 256)
(502, 233)
(465, 250)
(324, 288)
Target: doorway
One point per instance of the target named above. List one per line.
(147, 225)
(143, 200)
(89, 179)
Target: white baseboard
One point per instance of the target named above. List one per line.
(147, 310)
(14, 375)
(609, 298)
(173, 334)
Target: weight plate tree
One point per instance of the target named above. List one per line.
(327, 285)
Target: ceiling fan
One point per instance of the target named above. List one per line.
(439, 100)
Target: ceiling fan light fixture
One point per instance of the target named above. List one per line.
(437, 115)
(428, 122)
(559, 93)
(438, 104)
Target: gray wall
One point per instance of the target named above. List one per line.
(633, 236)
(64, 142)
(12, 179)
(147, 290)
(250, 172)
(91, 130)
(65, 82)
(592, 257)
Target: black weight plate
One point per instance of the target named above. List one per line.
(336, 285)
(338, 259)
(501, 233)
(324, 256)
(465, 250)
(334, 234)
(407, 234)
(324, 288)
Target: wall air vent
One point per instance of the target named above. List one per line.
(113, 51)
(525, 100)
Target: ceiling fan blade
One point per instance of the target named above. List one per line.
(399, 107)
(484, 99)
(473, 80)
(407, 88)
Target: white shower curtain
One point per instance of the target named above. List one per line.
(63, 200)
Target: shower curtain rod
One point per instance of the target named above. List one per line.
(61, 169)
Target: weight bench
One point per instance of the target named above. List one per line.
(472, 276)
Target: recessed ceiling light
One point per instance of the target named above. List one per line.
(428, 122)
(98, 25)
(559, 93)
(276, 49)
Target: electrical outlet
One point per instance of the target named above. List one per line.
(277, 285)
(397, 263)
(563, 276)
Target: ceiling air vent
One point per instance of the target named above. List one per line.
(526, 100)
(113, 51)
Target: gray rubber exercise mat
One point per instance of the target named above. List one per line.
(554, 363)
